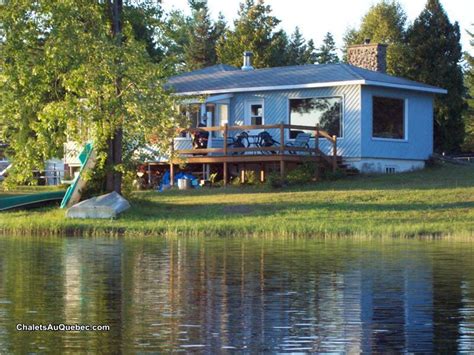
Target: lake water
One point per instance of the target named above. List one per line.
(226, 295)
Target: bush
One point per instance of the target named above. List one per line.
(128, 183)
(332, 175)
(275, 181)
(302, 174)
(250, 178)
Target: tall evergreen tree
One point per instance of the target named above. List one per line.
(469, 82)
(434, 57)
(220, 26)
(385, 22)
(296, 48)
(254, 30)
(310, 54)
(200, 50)
(279, 49)
(175, 38)
(146, 21)
(299, 52)
(327, 53)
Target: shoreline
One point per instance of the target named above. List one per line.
(433, 203)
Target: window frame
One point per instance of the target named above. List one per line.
(343, 110)
(248, 111)
(405, 120)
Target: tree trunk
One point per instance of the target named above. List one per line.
(109, 183)
(114, 153)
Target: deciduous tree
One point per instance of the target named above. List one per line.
(385, 22)
(66, 71)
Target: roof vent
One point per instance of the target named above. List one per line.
(247, 61)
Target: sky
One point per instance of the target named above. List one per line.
(317, 17)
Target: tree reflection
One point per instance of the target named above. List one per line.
(243, 294)
(325, 112)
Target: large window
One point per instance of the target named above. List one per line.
(388, 118)
(326, 111)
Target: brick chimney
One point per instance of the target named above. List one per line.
(372, 56)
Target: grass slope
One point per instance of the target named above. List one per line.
(437, 201)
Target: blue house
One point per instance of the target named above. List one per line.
(381, 123)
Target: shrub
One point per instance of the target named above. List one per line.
(302, 174)
(332, 175)
(250, 178)
(275, 181)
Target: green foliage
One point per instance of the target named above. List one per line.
(175, 38)
(434, 58)
(63, 73)
(200, 49)
(299, 52)
(385, 22)
(146, 21)
(275, 181)
(128, 187)
(302, 174)
(332, 175)
(250, 178)
(279, 49)
(253, 31)
(469, 82)
(327, 53)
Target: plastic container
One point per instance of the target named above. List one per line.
(184, 184)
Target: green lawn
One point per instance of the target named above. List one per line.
(437, 201)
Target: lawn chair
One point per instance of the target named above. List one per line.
(301, 141)
(241, 140)
(265, 139)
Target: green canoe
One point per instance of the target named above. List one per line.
(31, 200)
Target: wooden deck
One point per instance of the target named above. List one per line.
(281, 153)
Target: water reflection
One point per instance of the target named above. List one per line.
(219, 295)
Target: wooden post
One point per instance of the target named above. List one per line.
(334, 154)
(225, 138)
(282, 168)
(225, 173)
(226, 127)
(171, 163)
(171, 173)
(282, 139)
(316, 138)
(316, 148)
(149, 175)
(262, 173)
(242, 175)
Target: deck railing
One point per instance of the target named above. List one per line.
(281, 152)
(281, 149)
